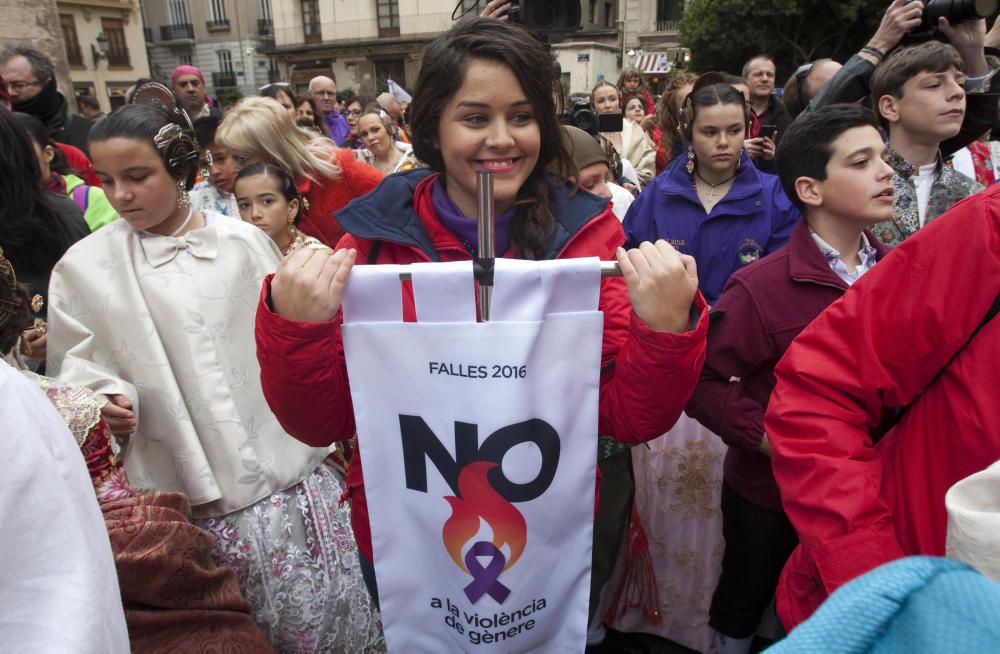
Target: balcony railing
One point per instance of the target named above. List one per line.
(667, 25)
(118, 57)
(147, 32)
(177, 32)
(224, 80)
(265, 27)
(217, 25)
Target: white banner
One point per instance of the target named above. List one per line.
(479, 446)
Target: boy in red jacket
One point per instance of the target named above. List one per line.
(831, 165)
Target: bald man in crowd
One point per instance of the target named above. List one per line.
(323, 90)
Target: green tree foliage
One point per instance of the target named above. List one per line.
(723, 34)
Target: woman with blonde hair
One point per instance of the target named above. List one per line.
(259, 130)
(383, 150)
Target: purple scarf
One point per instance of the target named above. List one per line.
(464, 228)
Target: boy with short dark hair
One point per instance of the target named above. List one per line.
(215, 190)
(919, 93)
(831, 165)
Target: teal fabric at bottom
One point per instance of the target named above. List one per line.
(917, 605)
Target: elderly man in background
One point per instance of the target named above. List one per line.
(323, 90)
(31, 82)
(189, 87)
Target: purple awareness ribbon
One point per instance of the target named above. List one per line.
(485, 580)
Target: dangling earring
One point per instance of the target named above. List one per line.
(739, 161)
(690, 163)
(183, 199)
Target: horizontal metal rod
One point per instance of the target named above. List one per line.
(608, 269)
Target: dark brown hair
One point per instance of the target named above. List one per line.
(442, 74)
(932, 56)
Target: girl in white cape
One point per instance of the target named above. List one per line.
(156, 312)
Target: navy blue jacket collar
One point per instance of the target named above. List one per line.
(388, 214)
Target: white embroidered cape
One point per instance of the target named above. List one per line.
(168, 322)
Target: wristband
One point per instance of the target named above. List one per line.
(875, 52)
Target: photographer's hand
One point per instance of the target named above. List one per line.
(969, 38)
(901, 17)
(496, 9)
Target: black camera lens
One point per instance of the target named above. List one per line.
(957, 11)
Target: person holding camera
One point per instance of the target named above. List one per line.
(824, 82)
(629, 140)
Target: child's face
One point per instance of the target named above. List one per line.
(631, 84)
(717, 138)
(595, 178)
(489, 124)
(858, 184)
(634, 110)
(223, 170)
(932, 107)
(263, 205)
(137, 184)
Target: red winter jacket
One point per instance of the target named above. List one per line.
(882, 345)
(327, 196)
(647, 376)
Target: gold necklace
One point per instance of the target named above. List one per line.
(711, 186)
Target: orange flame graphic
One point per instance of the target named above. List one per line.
(479, 500)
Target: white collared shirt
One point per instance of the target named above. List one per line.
(867, 254)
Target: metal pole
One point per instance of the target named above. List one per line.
(608, 269)
(486, 254)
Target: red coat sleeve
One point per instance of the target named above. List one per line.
(879, 346)
(304, 374)
(359, 176)
(738, 346)
(647, 376)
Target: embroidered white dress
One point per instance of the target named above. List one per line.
(168, 322)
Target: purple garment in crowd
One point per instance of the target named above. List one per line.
(464, 228)
(337, 126)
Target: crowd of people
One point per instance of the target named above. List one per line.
(796, 360)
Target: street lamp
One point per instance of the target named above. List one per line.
(100, 51)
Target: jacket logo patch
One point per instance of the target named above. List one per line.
(749, 251)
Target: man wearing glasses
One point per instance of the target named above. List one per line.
(324, 91)
(31, 82)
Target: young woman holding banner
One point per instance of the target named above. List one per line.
(483, 101)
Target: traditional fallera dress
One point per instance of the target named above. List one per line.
(168, 322)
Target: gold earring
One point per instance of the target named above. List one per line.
(690, 163)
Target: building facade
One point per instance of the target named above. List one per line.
(650, 38)
(105, 48)
(364, 42)
(226, 39)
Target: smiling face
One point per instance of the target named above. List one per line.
(262, 204)
(137, 184)
(373, 134)
(717, 138)
(605, 99)
(488, 124)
